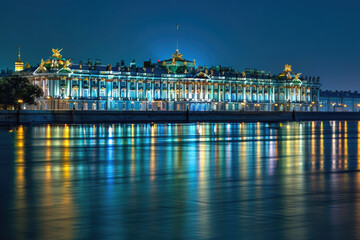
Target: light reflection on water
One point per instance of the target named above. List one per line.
(256, 180)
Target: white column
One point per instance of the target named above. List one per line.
(244, 92)
(251, 93)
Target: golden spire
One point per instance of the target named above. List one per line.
(19, 59)
(19, 65)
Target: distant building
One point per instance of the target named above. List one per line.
(339, 101)
(5, 73)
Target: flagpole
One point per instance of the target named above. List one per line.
(177, 36)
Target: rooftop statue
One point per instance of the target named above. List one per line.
(42, 66)
(288, 75)
(287, 68)
(56, 53)
(177, 55)
(67, 64)
(297, 76)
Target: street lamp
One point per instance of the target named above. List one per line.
(20, 101)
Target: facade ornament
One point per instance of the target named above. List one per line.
(67, 64)
(42, 66)
(288, 75)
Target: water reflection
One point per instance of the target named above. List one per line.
(184, 180)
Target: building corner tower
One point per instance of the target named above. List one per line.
(19, 65)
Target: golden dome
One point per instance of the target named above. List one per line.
(19, 60)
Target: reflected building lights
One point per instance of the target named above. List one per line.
(20, 180)
(258, 166)
(321, 158)
(203, 193)
(48, 153)
(66, 153)
(340, 147)
(358, 146)
(198, 166)
(153, 152)
(345, 165)
(333, 146)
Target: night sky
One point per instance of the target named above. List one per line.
(319, 38)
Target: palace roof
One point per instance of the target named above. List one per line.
(175, 65)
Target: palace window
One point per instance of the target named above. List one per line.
(132, 86)
(86, 93)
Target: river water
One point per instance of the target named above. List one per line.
(181, 181)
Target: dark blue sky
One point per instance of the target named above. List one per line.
(320, 38)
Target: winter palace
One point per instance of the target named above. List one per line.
(171, 84)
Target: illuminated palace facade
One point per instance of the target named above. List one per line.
(172, 84)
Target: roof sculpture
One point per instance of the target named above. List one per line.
(56, 63)
(288, 74)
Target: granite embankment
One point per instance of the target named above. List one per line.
(36, 117)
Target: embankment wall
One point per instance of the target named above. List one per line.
(36, 117)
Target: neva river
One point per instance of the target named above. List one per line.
(181, 181)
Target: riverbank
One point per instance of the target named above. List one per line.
(37, 117)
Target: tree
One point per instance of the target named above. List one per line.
(16, 90)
